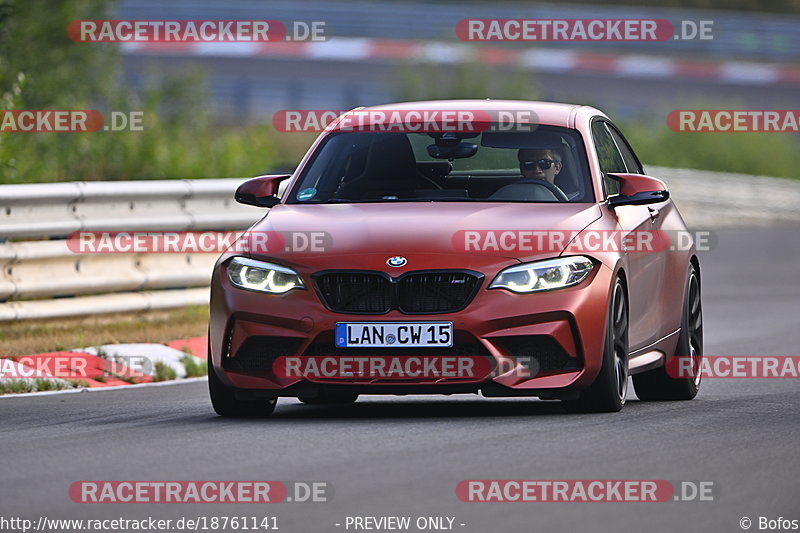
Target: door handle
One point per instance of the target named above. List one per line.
(653, 213)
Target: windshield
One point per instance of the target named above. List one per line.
(545, 165)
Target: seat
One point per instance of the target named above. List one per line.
(567, 180)
(390, 170)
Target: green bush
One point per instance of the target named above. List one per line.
(770, 154)
(194, 367)
(40, 68)
(18, 386)
(163, 372)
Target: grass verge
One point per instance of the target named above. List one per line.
(19, 386)
(31, 337)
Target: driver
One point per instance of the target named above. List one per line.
(543, 164)
(540, 159)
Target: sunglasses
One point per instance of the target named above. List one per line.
(543, 164)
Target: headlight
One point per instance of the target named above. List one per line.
(263, 277)
(544, 275)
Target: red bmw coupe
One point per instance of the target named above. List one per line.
(503, 247)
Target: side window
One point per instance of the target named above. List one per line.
(631, 160)
(608, 155)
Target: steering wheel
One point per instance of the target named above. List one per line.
(558, 193)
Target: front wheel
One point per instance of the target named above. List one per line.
(657, 384)
(225, 403)
(607, 393)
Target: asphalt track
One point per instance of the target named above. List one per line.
(404, 455)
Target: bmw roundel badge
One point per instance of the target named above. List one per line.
(397, 261)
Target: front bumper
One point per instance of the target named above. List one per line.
(562, 330)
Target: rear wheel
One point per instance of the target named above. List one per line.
(607, 393)
(330, 398)
(657, 384)
(225, 403)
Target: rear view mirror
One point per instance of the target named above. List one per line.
(449, 145)
(637, 189)
(261, 191)
(458, 151)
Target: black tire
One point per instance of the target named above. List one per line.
(657, 384)
(607, 393)
(225, 403)
(330, 398)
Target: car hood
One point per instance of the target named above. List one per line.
(427, 234)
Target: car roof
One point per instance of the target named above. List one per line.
(550, 113)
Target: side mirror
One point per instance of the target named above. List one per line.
(261, 191)
(637, 189)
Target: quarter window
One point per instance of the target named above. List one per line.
(627, 154)
(608, 155)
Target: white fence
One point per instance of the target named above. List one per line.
(42, 278)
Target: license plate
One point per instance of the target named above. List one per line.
(394, 334)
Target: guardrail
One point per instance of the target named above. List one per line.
(57, 209)
(42, 278)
